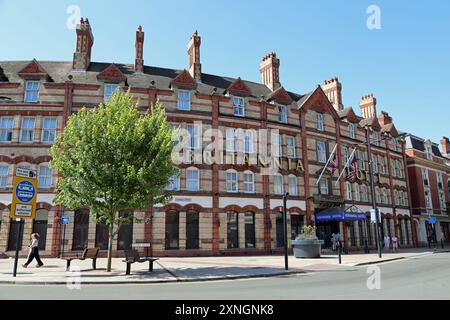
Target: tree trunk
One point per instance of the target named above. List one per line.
(110, 246)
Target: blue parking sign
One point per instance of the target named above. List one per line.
(65, 219)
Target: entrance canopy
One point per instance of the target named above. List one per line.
(341, 213)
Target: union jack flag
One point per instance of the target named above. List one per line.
(353, 167)
(333, 165)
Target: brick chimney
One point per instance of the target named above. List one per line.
(85, 41)
(445, 144)
(139, 45)
(384, 118)
(333, 90)
(270, 71)
(195, 67)
(368, 105)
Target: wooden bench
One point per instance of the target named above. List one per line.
(132, 256)
(91, 253)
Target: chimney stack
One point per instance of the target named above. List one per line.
(269, 69)
(139, 45)
(195, 67)
(368, 105)
(445, 144)
(384, 118)
(333, 90)
(85, 41)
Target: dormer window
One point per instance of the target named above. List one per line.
(31, 91)
(351, 131)
(319, 121)
(376, 138)
(239, 106)
(184, 100)
(282, 114)
(109, 90)
(429, 152)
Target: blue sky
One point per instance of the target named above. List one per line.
(405, 63)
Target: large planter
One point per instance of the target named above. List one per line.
(307, 248)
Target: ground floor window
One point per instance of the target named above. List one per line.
(80, 229)
(101, 236)
(14, 235)
(250, 241)
(40, 227)
(296, 225)
(280, 230)
(125, 234)
(232, 230)
(192, 229)
(172, 230)
(388, 227)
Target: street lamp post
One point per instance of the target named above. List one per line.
(286, 267)
(372, 186)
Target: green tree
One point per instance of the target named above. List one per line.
(111, 159)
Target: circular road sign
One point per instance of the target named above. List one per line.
(25, 191)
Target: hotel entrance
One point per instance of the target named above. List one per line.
(324, 231)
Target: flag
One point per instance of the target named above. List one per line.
(332, 165)
(353, 166)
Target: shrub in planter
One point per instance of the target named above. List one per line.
(306, 244)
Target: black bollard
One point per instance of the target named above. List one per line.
(339, 253)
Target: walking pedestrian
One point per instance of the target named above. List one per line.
(394, 243)
(386, 242)
(34, 251)
(333, 241)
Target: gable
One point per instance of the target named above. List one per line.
(112, 73)
(184, 81)
(281, 96)
(351, 116)
(239, 88)
(319, 102)
(33, 70)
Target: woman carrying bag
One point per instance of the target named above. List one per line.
(34, 251)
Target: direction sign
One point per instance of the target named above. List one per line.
(24, 195)
(374, 216)
(432, 220)
(65, 219)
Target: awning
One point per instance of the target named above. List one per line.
(341, 214)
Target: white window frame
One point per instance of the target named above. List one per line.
(230, 140)
(184, 100)
(348, 191)
(319, 121)
(31, 95)
(47, 178)
(4, 177)
(194, 137)
(323, 152)
(290, 146)
(345, 154)
(352, 130)
(248, 141)
(239, 106)
(377, 195)
(442, 200)
(365, 192)
(23, 130)
(376, 138)
(324, 187)
(429, 152)
(249, 184)
(276, 147)
(382, 163)
(5, 131)
(293, 185)
(385, 196)
(232, 180)
(195, 181)
(174, 183)
(282, 114)
(278, 184)
(357, 192)
(49, 130)
(107, 92)
(362, 160)
(428, 200)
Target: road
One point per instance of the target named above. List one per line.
(424, 277)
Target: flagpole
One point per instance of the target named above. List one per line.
(326, 165)
(346, 165)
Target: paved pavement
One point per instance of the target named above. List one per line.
(186, 269)
(419, 277)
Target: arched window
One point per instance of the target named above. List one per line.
(101, 236)
(174, 183)
(232, 230)
(385, 196)
(296, 225)
(125, 234)
(365, 193)
(192, 229)
(293, 188)
(232, 181)
(44, 176)
(172, 230)
(248, 141)
(80, 229)
(357, 192)
(249, 182)
(278, 184)
(351, 130)
(192, 179)
(377, 195)
(348, 190)
(40, 227)
(250, 241)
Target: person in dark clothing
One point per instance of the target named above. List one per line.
(34, 251)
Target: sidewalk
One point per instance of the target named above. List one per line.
(187, 269)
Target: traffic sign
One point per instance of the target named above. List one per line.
(65, 219)
(24, 194)
(374, 216)
(432, 220)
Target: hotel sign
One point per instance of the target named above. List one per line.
(321, 199)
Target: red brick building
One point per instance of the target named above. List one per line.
(429, 175)
(231, 206)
